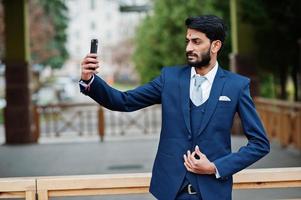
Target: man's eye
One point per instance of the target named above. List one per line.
(197, 42)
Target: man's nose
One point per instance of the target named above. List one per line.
(189, 47)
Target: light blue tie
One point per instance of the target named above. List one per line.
(197, 93)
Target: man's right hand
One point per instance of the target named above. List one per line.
(89, 66)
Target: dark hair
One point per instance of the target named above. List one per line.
(212, 26)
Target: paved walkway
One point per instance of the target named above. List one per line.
(121, 156)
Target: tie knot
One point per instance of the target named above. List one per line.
(199, 81)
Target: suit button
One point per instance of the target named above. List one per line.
(189, 137)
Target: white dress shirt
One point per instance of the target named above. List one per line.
(206, 85)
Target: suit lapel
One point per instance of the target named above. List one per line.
(184, 89)
(215, 93)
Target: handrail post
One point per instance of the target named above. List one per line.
(36, 122)
(30, 195)
(101, 123)
(42, 194)
(298, 128)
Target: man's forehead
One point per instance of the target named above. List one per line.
(191, 33)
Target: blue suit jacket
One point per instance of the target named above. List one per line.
(171, 89)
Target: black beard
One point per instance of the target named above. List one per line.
(199, 64)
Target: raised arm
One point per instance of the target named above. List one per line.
(113, 99)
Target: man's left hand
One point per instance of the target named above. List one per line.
(199, 166)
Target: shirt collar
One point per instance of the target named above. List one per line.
(209, 76)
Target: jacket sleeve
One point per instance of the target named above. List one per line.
(258, 145)
(140, 97)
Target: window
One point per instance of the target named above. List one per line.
(92, 25)
(92, 4)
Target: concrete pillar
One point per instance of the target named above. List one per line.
(19, 124)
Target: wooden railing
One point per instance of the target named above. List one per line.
(18, 188)
(282, 120)
(60, 186)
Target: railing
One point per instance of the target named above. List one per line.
(145, 121)
(45, 187)
(88, 119)
(282, 120)
(79, 119)
(18, 188)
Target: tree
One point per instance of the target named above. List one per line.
(160, 39)
(57, 11)
(1, 31)
(277, 32)
(48, 23)
(41, 33)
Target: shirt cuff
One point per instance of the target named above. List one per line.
(217, 175)
(87, 84)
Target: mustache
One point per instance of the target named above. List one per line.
(189, 53)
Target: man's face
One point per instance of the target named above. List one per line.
(198, 48)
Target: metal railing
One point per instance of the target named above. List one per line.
(45, 187)
(84, 119)
(144, 121)
(88, 119)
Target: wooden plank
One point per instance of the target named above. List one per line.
(106, 191)
(11, 195)
(17, 184)
(94, 181)
(268, 175)
(276, 102)
(267, 185)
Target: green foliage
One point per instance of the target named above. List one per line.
(160, 39)
(267, 86)
(1, 115)
(57, 12)
(277, 29)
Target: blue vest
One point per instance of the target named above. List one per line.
(196, 118)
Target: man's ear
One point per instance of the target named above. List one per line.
(216, 46)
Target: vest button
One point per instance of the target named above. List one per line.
(189, 137)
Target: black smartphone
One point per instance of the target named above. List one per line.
(93, 49)
(94, 46)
